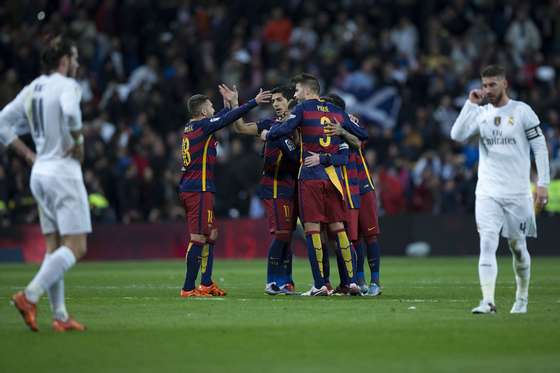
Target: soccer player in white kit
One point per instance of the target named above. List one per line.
(50, 107)
(507, 130)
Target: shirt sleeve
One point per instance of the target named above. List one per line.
(13, 115)
(294, 120)
(531, 123)
(340, 158)
(70, 105)
(467, 123)
(218, 122)
(289, 149)
(354, 128)
(263, 124)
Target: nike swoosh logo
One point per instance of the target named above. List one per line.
(372, 228)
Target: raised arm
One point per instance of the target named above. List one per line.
(219, 122)
(466, 124)
(244, 128)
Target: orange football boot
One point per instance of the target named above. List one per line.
(70, 324)
(27, 310)
(193, 293)
(212, 290)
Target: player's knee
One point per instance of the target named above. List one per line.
(285, 236)
(488, 243)
(77, 243)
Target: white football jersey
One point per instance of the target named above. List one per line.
(50, 107)
(504, 150)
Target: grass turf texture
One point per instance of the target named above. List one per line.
(421, 323)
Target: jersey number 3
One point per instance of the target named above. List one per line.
(325, 141)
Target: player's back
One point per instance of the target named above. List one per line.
(316, 114)
(47, 101)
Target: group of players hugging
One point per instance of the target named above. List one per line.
(314, 169)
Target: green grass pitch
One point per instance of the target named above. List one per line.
(421, 323)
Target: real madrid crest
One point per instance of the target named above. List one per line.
(497, 121)
(510, 121)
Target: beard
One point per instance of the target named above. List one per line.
(495, 99)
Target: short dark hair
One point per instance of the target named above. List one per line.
(492, 71)
(336, 100)
(285, 90)
(194, 104)
(57, 48)
(308, 80)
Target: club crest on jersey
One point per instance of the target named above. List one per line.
(510, 121)
(497, 121)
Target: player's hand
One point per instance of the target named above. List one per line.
(476, 96)
(263, 135)
(541, 199)
(76, 152)
(263, 97)
(30, 158)
(312, 160)
(333, 129)
(229, 95)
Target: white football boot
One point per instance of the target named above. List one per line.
(314, 292)
(484, 308)
(520, 306)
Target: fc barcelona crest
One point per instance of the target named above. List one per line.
(497, 121)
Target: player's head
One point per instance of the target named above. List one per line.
(307, 87)
(281, 97)
(61, 54)
(200, 106)
(494, 83)
(336, 100)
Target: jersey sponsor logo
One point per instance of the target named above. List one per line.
(497, 121)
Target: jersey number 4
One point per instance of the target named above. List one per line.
(325, 141)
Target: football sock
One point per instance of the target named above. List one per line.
(56, 295)
(346, 251)
(521, 267)
(326, 263)
(194, 252)
(53, 270)
(374, 258)
(342, 272)
(274, 270)
(488, 266)
(315, 254)
(360, 277)
(287, 258)
(207, 263)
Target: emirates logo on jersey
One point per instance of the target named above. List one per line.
(497, 121)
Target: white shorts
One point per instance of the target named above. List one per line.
(515, 217)
(63, 204)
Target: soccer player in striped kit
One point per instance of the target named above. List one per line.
(277, 189)
(197, 184)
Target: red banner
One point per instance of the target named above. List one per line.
(243, 238)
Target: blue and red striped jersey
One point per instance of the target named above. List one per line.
(351, 181)
(310, 117)
(199, 148)
(364, 176)
(281, 162)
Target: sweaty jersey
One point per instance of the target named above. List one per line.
(281, 161)
(310, 117)
(49, 108)
(504, 149)
(199, 148)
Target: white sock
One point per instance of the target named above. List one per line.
(488, 266)
(50, 272)
(56, 295)
(521, 268)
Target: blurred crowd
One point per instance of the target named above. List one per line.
(141, 59)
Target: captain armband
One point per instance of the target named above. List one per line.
(533, 133)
